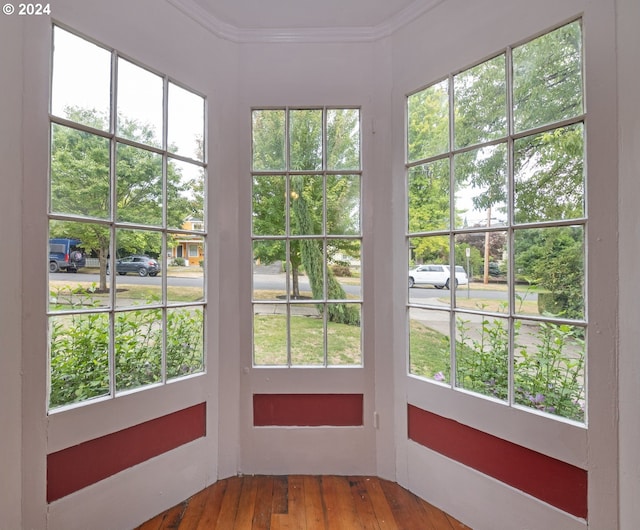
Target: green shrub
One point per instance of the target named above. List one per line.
(79, 343)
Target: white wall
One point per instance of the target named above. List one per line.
(10, 271)
(455, 35)
(629, 154)
(162, 38)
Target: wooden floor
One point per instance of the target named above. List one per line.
(304, 503)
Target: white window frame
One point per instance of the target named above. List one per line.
(287, 305)
(510, 228)
(164, 305)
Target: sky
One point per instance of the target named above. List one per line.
(82, 78)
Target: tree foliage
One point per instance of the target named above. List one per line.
(548, 167)
(81, 186)
(317, 205)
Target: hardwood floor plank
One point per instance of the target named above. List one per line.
(211, 511)
(455, 524)
(314, 503)
(341, 511)
(300, 502)
(380, 504)
(362, 502)
(280, 521)
(246, 504)
(331, 508)
(194, 509)
(408, 510)
(346, 504)
(264, 502)
(169, 519)
(280, 493)
(297, 508)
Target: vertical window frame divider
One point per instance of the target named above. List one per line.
(164, 262)
(111, 259)
(511, 188)
(287, 230)
(452, 237)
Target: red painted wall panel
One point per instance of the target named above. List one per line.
(76, 467)
(307, 410)
(560, 484)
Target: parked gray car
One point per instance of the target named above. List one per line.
(139, 264)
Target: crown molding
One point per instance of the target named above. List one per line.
(303, 35)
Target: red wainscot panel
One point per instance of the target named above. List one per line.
(555, 482)
(76, 467)
(307, 410)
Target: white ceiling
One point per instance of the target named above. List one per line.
(303, 20)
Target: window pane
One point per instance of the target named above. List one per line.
(79, 173)
(79, 357)
(307, 336)
(481, 187)
(82, 249)
(185, 341)
(343, 204)
(140, 96)
(138, 266)
(429, 197)
(344, 336)
(429, 273)
(185, 124)
(185, 195)
(81, 83)
(305, 140)
(480, 287)
(306, 199)
(482, 354)
(268, 128)
(139, 185)
(270, 335)
(138, 348)
(549, 368)
(269, 278)
(268, 215)
(429, 344)
(551, 261)
(343, 139)
(428, 122)
(344, 265)
(547, 78)
(480, 96)
(549, 175)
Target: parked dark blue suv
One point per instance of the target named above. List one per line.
(65, 255)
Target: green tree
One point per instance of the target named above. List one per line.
(548, 167)
(311, 199)
(81, 186)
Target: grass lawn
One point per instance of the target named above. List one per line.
(65, 291)
(307, 341)
(428, 351)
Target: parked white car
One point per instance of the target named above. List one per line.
(437, 275)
